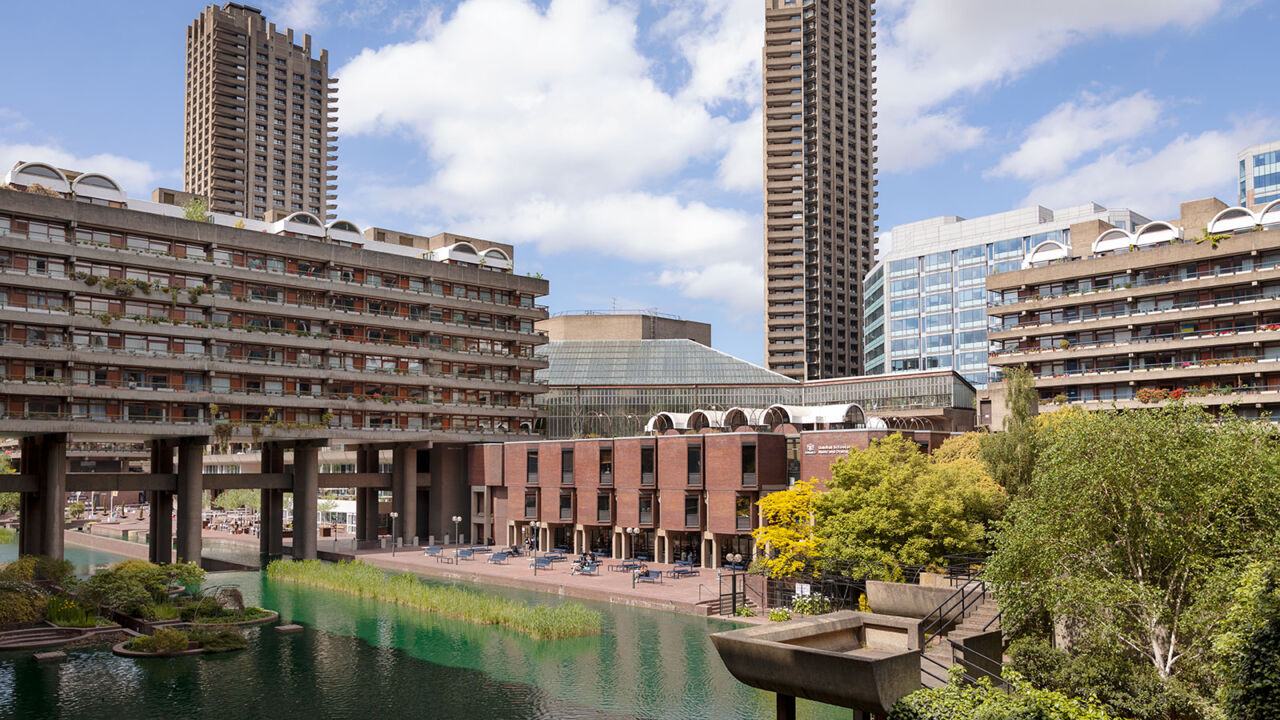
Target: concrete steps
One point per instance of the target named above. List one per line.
(974, 623)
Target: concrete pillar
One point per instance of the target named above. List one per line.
(404, 492)
(271, 512)
(160, 524)
(786, 707)
(616, 545)
(190, 495)
(53, 490)
(29, 533)
(450, 487)
(715, 553)
(306, 493)
(362, 497)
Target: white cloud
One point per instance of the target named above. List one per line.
(742, 168)
(546, 126)
(739, 284)
(300, 15)
(1076, 128)
(137, 178)
(932, 52)
(1153, 182)
(720, 39)
(12, 121)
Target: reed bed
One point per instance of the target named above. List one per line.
(548, 622)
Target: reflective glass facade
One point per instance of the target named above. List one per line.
(1259, 174)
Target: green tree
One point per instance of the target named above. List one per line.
(959, 700)
(197, 209)
(8, 501)
(967, 445)
(238, 498)
(788, 532)
(892, 504)
(1131, 524)
(1248, 649)
(1011, 455)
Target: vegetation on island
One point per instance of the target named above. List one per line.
(563, 620)
(170, 640)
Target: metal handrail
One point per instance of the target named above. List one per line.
(997, 679)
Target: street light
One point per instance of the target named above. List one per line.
(533, 527)
(734, 559)
(633, 532)
(456, 519)
(394, 538)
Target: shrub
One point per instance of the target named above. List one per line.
(115, 592)
(161, 611)
(164, 640)
(958, 700)
(744, 611)
(216, 641)
(205, 608)
(21, 604)
(811, 604)
(67, 612)
(38, 568)
(779, 615)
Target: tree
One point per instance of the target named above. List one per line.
(891, 504)
(788, 532)
(1011, 455)
(1248, 649)
(1131, 524)
(8, 501)
(959, 700)
(238, 498)
(197, 209)
(967, 445)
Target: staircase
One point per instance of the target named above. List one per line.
(38, 637)
(970, 611)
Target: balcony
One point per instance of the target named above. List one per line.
(531, 478)
(606, 478)
(748, 480)
(744, 522)
(566, 514)
(691, 520)
(646, 479)
(695, 478)
(566, 478)
(646, 517)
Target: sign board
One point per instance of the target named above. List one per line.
(816, 449)
(803, 589)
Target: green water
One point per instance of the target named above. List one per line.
(366, 659)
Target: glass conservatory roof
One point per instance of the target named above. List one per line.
(648, 362)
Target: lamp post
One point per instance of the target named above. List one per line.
(633, 532)
(394, 537)
(456, 519)
(533, 528)
(734, 559)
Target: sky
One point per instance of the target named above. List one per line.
(617, 143)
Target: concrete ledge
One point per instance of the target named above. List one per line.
(51, 656)
(288, 629)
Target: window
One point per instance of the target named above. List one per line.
(646, 465)
(602, 508)
(566, 507)
(694, 454)
(692, 504)
(531, 467)
(743, 512)
(646, 509)
(606, 466)
(531, 504)
(566, 467)
(749, 465)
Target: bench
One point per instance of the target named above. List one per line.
(431, 551)
(649, 576)
(481, 549)
(561, 550)
(446, 559)
(593, 569)
(677, 573)
(624, 567)
(540, 564)
(466, 555)
(498, 558)
(556, 557)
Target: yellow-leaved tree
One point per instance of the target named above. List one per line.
(788, 532)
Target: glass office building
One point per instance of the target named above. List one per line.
(1259, 174)
(931, 314)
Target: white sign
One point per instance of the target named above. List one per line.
(815, 449)
(803, 589)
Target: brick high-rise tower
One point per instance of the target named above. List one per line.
(819, 183)
(261, 132)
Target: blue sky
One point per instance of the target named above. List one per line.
(616, 143)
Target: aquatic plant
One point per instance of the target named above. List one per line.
(562, 620)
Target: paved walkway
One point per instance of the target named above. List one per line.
(673, 594)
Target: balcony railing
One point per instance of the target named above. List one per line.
(1128, 313)
(566, 513)
(692, 520)
(646, 478)
(566, 478)
(1137, 283)
(1163, 337)
(603, 516)
(695, 478)
(606, 478)
(531, 478)
(646, 517)
(748, 479)
(744, 522)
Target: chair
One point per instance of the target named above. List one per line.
(498, 558)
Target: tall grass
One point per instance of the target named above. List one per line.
(540, 621)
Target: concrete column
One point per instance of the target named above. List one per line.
(715, 553)
(616, 544)
(404, 492)
(306, 493)
(271, 512)
(53, 491)
(190, 495)
(786, 707)
(29, 533)
(160, 524)
(362, 498)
